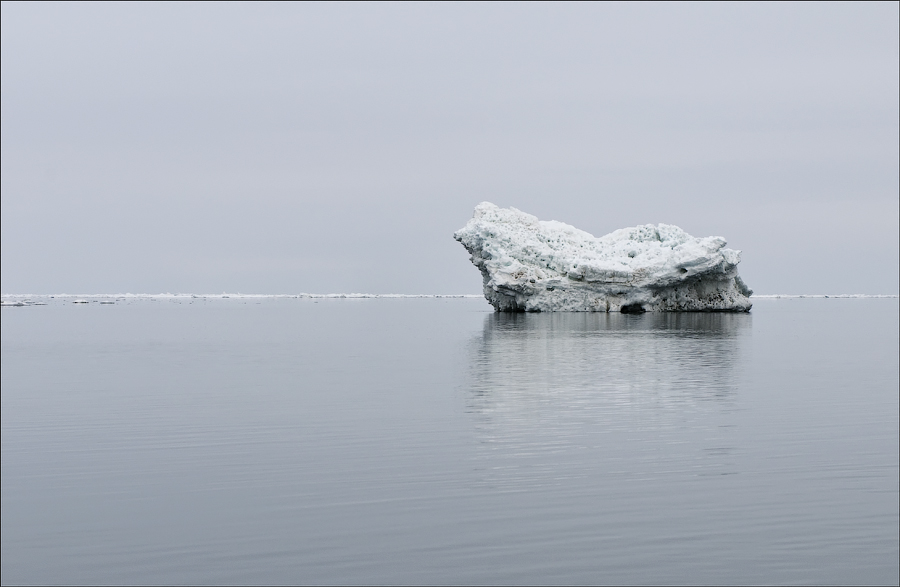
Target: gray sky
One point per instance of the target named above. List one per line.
(283, 148)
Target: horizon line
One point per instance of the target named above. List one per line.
(356, 295)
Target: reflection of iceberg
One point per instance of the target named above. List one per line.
(535, 266)
(566, 366)
(583, 401)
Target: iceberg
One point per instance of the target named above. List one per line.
(529, 265)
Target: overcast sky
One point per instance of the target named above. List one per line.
(284, 148)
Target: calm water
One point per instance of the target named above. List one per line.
(432, 441)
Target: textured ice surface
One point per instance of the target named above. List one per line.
(540, 266)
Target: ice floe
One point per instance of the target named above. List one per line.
(19, 299)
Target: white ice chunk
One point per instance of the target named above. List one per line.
(540, 266)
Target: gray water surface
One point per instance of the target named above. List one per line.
(433, 441)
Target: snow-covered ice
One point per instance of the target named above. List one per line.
(540, 266)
